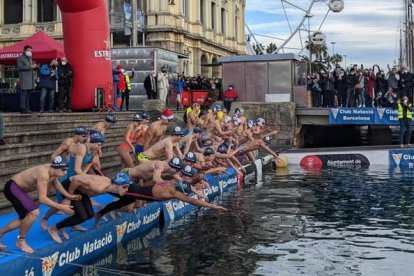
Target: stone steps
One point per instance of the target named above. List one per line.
(70, 117)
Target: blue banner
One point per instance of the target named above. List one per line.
(363, 116)
(403, 158)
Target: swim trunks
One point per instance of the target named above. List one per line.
(20, 200)
(141, 157)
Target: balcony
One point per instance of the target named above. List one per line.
(15, 32)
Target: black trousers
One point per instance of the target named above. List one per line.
(227, 105)
(64, 97)
(125, 98)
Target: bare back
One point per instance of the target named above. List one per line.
(28, 179)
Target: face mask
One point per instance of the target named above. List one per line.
(28, 53)
(154, 75)
(64, 62)
(230, 88)
(122, 70)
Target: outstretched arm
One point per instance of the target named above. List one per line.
(197, 202)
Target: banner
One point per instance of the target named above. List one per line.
(363, 116)
(403, 158)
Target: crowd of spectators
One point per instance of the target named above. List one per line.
(361, 87)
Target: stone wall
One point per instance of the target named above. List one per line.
(281, 115)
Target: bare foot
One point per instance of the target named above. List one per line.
(112, 215)
(95, 203)
(43, 224)
(64, 233)
(54, 234)
(79, 228)
(23, 246)
(97, 218)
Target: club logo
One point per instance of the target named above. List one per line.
(397, 158)
(170, 210)
(49, 263)
(120, 231)
(381, 112)
(335, 112)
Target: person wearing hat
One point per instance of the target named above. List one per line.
(406, 83)
(229, 96)
(193, 116)
(139, 137)
(126, 148)
(163, 84)
(81, 135)
(17, 191)
(257, 143)
(156, 130)
(190, 140)
(153, 171)
(160, 191)
(82, 158)
(121, 84)
(103, 125)
(164, 149)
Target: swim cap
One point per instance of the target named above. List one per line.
(220, 115)
(222, 149)
(183, 187)
(251, 123)
(236, 121)
(137, 118)
(80, 130)
(175, 163)
(227, 119)
(97, 137)
(217, 107)
(146, 116)
(260, 121)
(121, 179)
(178, 131)
(208, 151)
(110, 118)
(190, 157)
(60, 162)
(167, 114)
(187, 171)
(267, 139)
(197, 129)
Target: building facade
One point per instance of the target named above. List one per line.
(201, 31)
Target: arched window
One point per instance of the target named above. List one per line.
(204, 68)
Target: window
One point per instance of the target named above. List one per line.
(223, 21)
(202, 12)
(213, 15)
(13, 11)
(46, 11)
(185, 8)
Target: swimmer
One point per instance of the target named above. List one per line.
(81, 135)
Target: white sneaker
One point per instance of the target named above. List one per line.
(359, 105)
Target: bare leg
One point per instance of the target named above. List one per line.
(126, 158)
(49, 213)
(26, 223)
(64, 234)
(79, 228)
(9, 227)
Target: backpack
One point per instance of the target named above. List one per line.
(44, 70)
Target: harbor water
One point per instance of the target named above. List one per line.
(343, 221)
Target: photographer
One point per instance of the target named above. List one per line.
(404, 116)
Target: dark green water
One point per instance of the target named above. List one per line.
(334, 222)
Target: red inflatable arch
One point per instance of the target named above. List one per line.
(87, 47)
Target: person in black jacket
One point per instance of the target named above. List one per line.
(351, 81)
(340, 85)
(65, 74)
(150, 85)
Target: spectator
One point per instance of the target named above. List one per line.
(370, 81)
(163, 84)
(381, 87)
(179, 88)
(2, 141)
(115, 79)
(150, 85)
(316, 91)
(230, 95)
(360, 88)
(121, 85)
(47, 84)
(329, 89)
(406, 83)
(340, 85)
(25, 66)
(65, 75)
(390, 98)
(351, 80)
(393, 78)
(125, 95)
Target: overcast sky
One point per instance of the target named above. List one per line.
(367, 31)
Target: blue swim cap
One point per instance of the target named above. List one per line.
(190, 157)
(208, 151)
(251, 123)
(110, 118)
(97, 137)
(175, 163)
(80, 130)
(60, 162)
(222, 149)
(217, 107)
(121, 179)
(197, 129)
(178, 131)
(267, 139)
(145, 115)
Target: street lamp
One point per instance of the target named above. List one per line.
(333, 47)
(309, 16)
